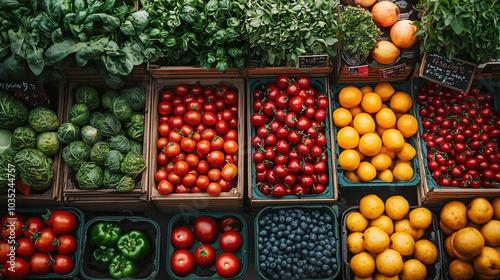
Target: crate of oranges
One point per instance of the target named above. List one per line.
(375, 132)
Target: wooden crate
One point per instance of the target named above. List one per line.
(276, 71)
(162, 72)
(257, 204)
(52, 196)
(89, 199)
(78, 73)
(190, 202)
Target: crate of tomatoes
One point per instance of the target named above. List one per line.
(210, 245)
(197, 130)
(460, 133)
(46, 246)
(290, 149)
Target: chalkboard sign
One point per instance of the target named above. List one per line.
(256, 64)
(388, 72)
(453, 73)
(313, 61)
(30, 91)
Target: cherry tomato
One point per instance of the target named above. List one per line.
(214, 189)
(40, 263)
(230, 241)
(25, 247)
(165, 108)
(63, 264)
(44, 242)
(66, 244)
(204, 255)
(182, 238)
(165, 187)
(12, 224)
(181, 90)
(19, 270)
(205, 229)
(230, 147)
(31, 226)
(227, 265)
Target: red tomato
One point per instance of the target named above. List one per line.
(203, 147)
(19, 270)
(4, 250)
(167, 95)
(165, 108)
(182, 262)
(63, 265)
(161, 174)
(232, 134)
(181, 168)
(162, 142)
(229, 171)
(231, 147)
(214, 189)
(205, 229)
(227, 265)
(303, 82)
(61, 221)
(203, 167)
(216, 159)
(231, 97)
(162, 159)
(12, 224)
(32, 225)
(66, 244)
(182, 238)
(209, 119)
(40, 263)
(202, 182)
(192, 118)
(181, 90)
(189, 180)
(44, 242)
(230, 241)
(217, 143)
(204, 255)
(171, 150)
(165, 187)
(175, 136)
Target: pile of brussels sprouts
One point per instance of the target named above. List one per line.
(104, 138)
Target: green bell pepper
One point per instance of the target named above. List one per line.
(121, 267)
(104, 254)
(105, 234)
(134, 245)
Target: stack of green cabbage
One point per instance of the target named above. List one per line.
(27, 140)
(104, 136)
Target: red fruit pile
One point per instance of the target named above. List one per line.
(290, 141)
(461, 132)
(198, 141)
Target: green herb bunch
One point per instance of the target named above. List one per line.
(281, 31)
(359, 33)
(189, 32)
(467, 29)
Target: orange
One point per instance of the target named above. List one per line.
(349, 160)
(385, 118)
(366, 171)
(342, 117)
(386, 175)
(393, 140)
(381, 130)
(355, 111)
(389, 153)
(381, 162)
(401, 102)
(407, 153)
(352, 176)
(407, 125)
(371, 103)
(350, 97)
(402, 172)
(348, 138)
(370, 144)
(366, 89)
(364, 123)
(361, 155)
(385, 90)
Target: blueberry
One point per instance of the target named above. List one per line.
(263, 266)
(288, 249)
(291, 236)
(334, 267)
(328, 218)
(279, 234)
(282, 240)
(288, 267)
(293, 215)
(329, 227)
(333, 260)
(314, 275)
(310, 246)
(329, 273)
(321, 223)
(263, 233)
(275, 230)
(282, 246)
(310, 268)
(278, 267)
(303, 225)
(276, 243)
(265, 252)
(262, 222)
(319, 263)
(319, 248)
(276, 276)
(313, 261)
(286, 233)
(294, 248)
(322, 218)
(270, 259)
(288, 275)
(311, 254)
(298, 238)
(326, 260)
(300, 231)
(304, 252)
(303, 218)
(274, 250)
(282, 219)
(321, 237)
(288, 220)
(300, 271)
(294, 224)
(322, 242)
(305, 237)
(313, 237)
(319, 255)
(276, 219)
(294, 268)
(289, 242)
(269, 271)
(283, 264)
(273, 265)
(300, 263)
(328, 247)
(262, 258)
(330, 234)
(314, 230)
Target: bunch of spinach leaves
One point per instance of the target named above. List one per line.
(281, 31)
(359, 32)
(467, 29)
(189, 32)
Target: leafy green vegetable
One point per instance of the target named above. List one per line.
(42, 119)
(6, 177)
(133, 164)
(6, 146)
(13, 113)
(111, 179)
(95, 117)
(108, 99)
(135, 127)
(359, 33)
(135, 147)
(76, 154)
(48, 143)
(98, 151)
(135, 97)
(89, 96)
(90, 176)
(34, 168)
(90, 135)
(280, 32)
(122, 109)
(460, 28)
(113, 160)
(109, 126)
(68, 133)
(79, 114)
(119, 143)
(23, 137)
(125, 184)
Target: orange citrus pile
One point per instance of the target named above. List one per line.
(373, 134)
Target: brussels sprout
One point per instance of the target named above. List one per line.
(88, 95)
(135, 97)
(108, 99)
(135, 147)
(90, 135)
(68, 133)
(6, 163)
(121, 109)
(109, 126)
(43, 119)
(23, 137)
(133, 164)
(13, 112)
(119, 143)
(79, 114)
(95, 118)
(48, 143)
(125, 184)
(90, 176)
(113, 160)
(135, 127)
(34, 168)
(98, 151)
(111, 179)
(76, 154)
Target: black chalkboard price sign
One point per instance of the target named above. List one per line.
(453, 73)
(313, 61)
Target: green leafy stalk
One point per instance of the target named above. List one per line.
(359, 33)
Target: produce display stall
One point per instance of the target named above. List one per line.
(252, 139)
